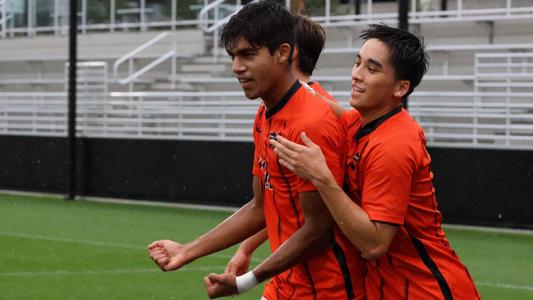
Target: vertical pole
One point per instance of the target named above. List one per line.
(30, 17)
(73, 34)
(403, 23)
(56, 17)
(143, 15)
(3, 7)
(173, 8)
(443, 5)
(83, 16)
(112, 16)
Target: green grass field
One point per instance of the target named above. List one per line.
(56, 249)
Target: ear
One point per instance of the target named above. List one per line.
(284, 52)
(402, 87)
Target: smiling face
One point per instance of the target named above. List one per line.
(254, 67)
(375, 89)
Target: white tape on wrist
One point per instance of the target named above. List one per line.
(246, 282)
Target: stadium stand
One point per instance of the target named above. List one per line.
(153, 70)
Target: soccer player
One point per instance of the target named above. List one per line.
(310, 40)
(389, 211)
(308, 258)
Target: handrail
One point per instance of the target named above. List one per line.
(147, 67)
(138, 50)
(203, 14)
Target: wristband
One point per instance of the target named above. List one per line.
(246, 282)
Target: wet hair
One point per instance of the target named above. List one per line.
(310, 40)
(262, 24)
(407, 54)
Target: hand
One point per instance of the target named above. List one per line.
(306, 161)
(239, 263)
(168, 255)
(220, 285)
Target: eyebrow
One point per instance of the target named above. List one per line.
(243, 50)
(372, 61)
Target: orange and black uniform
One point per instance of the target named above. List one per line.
(335, 272)
(388, 174)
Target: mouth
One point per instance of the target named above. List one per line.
(245, 82)
(356, 90)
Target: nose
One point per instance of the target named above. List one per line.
(356, 73)
(237, 66)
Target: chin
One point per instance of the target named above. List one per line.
(250, 95)
(355, 103)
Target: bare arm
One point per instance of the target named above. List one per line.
(307, 161)
(240, 261)
(312, 237)
(248, 220)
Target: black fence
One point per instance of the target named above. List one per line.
(480, 187)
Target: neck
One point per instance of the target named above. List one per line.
(369, 116)
(302, 76)
(279, 90)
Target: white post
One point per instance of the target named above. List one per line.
(369, 10)
(413, 8)
(112, 16)
(173, 8)
(459, 7)
(143, 15)
(3, 16)
(173, 65)
(327, 10)
(508, 7)
(130, 71)
(215, 44)
(83, 16)
(30, 17)
(56, 17)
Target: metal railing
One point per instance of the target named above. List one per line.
(330, 13)
(130, 57)
(451, 119)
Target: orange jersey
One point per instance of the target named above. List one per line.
(388, 174)
(336, 272)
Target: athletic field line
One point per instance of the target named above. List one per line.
(104, 272)
(506, 286)
(95, 243)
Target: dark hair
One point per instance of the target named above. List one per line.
(407, 55)
(261, 23)
(310, 39)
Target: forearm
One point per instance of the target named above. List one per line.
(365, 235)
(248, 220)
(249, 245)
(308, 240)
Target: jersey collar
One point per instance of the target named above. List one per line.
(269, 113)
(368, 128)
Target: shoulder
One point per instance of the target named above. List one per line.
(399, 137)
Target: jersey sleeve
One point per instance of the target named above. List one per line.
(329, 135)
(388, 171)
